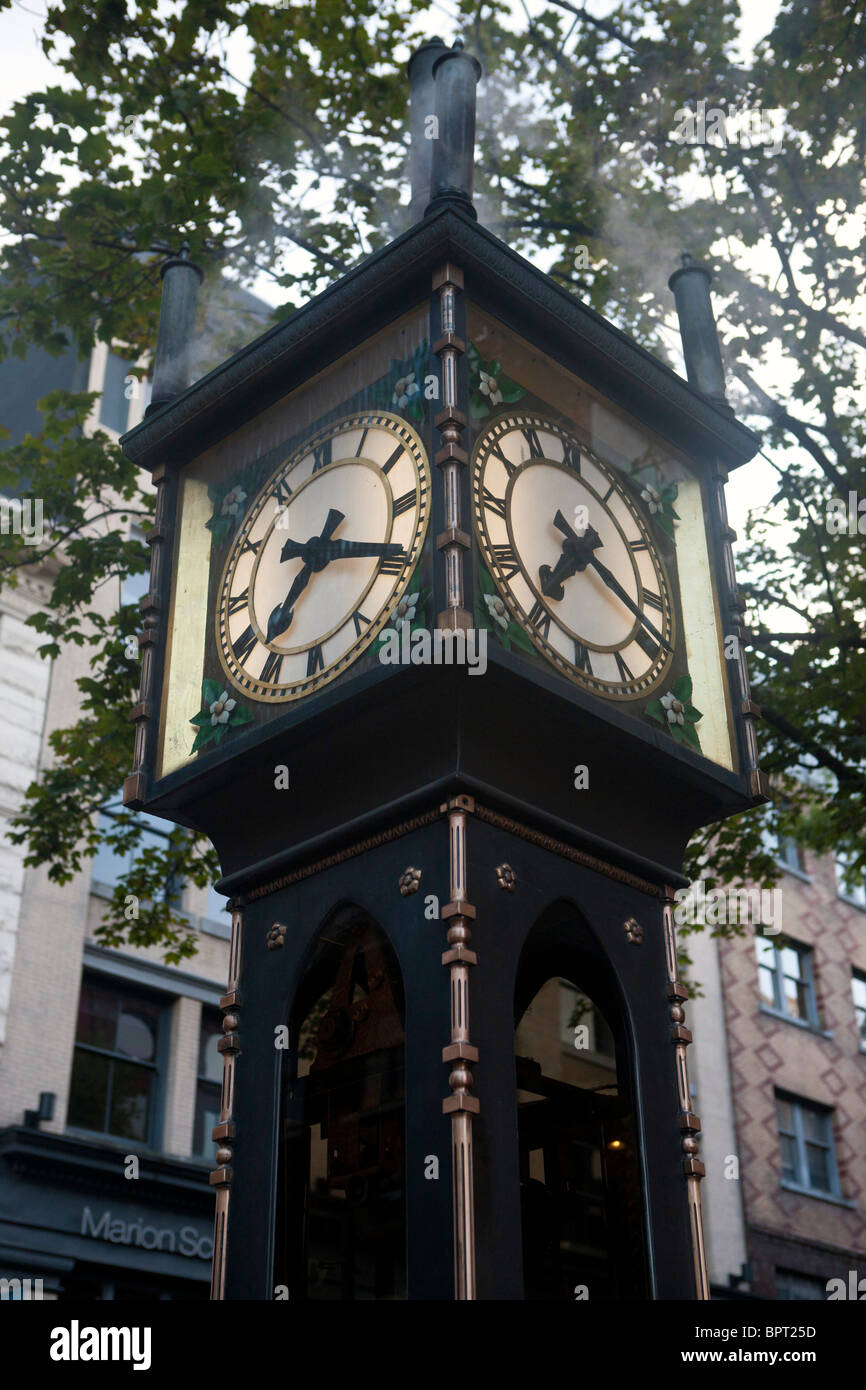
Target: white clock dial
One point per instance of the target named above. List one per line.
(324, 553)
(572, 557)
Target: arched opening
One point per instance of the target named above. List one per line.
(341, 1231)
(581, 1207)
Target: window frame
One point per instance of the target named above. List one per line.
(174, 890)
(806, 956)
(129, 992)
(859, 977)
(802, 1183)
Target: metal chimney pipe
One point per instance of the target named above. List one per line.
(422, 106)
(691, 287)
(180, 282)
(456, 75)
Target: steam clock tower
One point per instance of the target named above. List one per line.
(454, 1029)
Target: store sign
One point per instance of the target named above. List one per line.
(187, 1241)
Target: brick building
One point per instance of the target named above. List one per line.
(780, 1084)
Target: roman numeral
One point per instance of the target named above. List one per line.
(571, 457)
(315, 660)
(646, 644)
(581, 658)
(506, 557)
(624, 673)
(321, 455)
(238, 602)
(393, 564)
(494, 504)
(540, 618)
(361, 444)
(271, 668)
(244, 645)
(535, 449)
(389, 463)
(282, 492)
(653, 601)
(610, 490)
(358, 618)
(510, 468)
(404, 503)
(253, 546)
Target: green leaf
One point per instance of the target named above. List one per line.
(519, 638)
(689, 734)
(511, 391)
(682, 688)
(692, 715)
(210, 691)
(665, 523)
(656, 711)
(202, 737)
(485, 582)
(239, 715)
(201, 719)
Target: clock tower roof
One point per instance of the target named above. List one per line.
(364, 300)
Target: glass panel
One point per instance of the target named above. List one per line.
(789, 1158)
(114, 406)
(97, 1016)
(130, 1101)
(216, 906)
(799, 1286)
(791, 962)
(766, 952)
(815, 1125)
(766, 983)
(858, 988)
(210, 1062)
(136, 1032)
(88, 1091)
(207, 1114)
(818, 1164)
(784, 1114)
(795, 998)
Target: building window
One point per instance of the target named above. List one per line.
(209, 1084)
(856, 892)
(133, 587)
(576, 1010)
(784, 849)
(112, 864)
(786, 979)
(116, 393)
(806, 1143)
(116, 1062)
(858, 987)
(799, 1286)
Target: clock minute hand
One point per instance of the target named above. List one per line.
(339, 550)
(615, 587)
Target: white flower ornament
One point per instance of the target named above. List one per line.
(405, 610)
(497, 610)
(221, 709)
(233, 502)
(652, 498)
(674, 708)
(490, 387)
(404, 388)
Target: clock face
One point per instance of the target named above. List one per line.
(324, 553)
(572, 557)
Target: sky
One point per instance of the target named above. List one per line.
(25, 68)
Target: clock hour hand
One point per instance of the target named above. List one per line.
(282, 616)
(616, 588)
(576, 553)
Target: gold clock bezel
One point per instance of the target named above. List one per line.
(273, 693)
(611, 690)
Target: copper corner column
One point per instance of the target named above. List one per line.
(224, 1132)
(452, 457)
(460, 1105)
(690, 1125)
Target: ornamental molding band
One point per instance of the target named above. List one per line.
(224, 1133)
(689, 1123)
(460, 1105)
